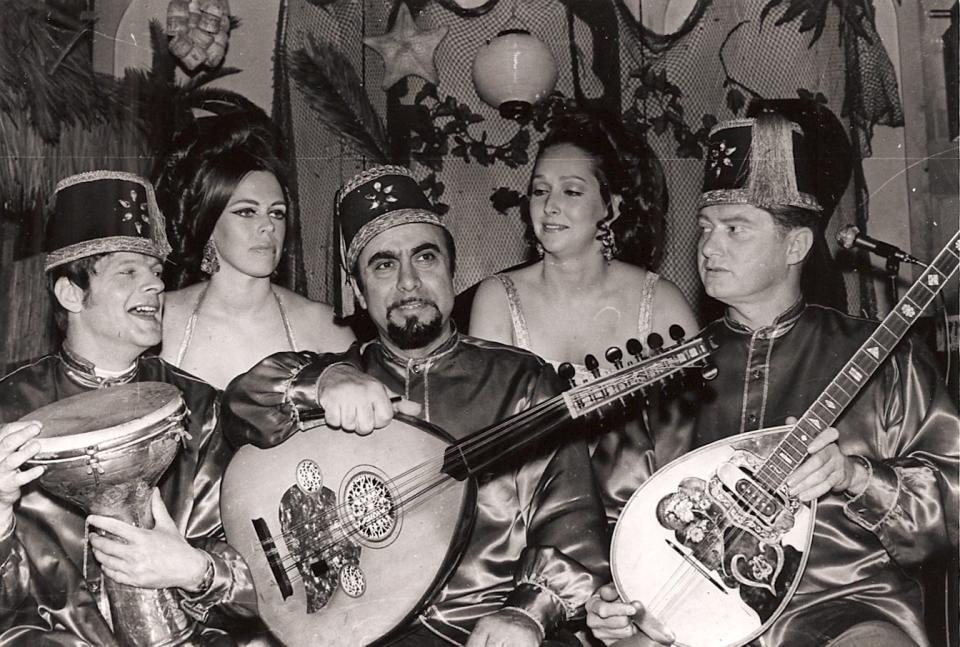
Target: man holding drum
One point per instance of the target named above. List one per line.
(537, 548)
(106, 243)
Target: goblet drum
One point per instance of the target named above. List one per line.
(105, 451)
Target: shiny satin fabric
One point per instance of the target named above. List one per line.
(44, 596)
(539, 541)
(902, 422)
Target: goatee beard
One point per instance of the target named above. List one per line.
(415, 333)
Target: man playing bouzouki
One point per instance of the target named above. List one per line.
(537, 550)
(886, 477)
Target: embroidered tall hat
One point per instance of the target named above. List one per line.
(789, 152)
(370, 203)
(103, 211)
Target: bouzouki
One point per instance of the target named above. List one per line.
(712, 544)
(348, 536)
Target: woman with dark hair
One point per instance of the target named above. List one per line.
(595, 214)
(224, 193)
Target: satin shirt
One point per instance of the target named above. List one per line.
(539, 541)
(43, 595)
(902, 423)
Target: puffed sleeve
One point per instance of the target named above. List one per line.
(911, 500)
(262, 407)
(231, 587)
(14, 573)
(565, 558)
(44, 599)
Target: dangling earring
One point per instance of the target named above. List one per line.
(538, 248)
(210, 264)
(607, 240)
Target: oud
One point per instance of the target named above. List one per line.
(712, 544)
(348, 536)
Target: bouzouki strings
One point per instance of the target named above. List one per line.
(410, 489)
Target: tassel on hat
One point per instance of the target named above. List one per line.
(758, 161)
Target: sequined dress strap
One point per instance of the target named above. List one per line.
(286, 323)
(645, 320)
(521, 336)
(191, 326)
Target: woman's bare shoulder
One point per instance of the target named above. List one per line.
(670, 306)
(182, 298)
(490, 314)
(314, 323)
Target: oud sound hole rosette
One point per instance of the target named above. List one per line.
(370, 507)
(309, 477)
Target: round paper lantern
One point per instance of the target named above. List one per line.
(513, 71)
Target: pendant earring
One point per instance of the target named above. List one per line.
(607, 240)
(538, 248)
(209, 264)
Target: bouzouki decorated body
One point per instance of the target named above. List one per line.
(348, 536)
(712, 544)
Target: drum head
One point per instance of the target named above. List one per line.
(105, 414)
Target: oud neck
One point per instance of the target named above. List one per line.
(825, 410)
(480, 450)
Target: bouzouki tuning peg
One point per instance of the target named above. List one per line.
(566, 373)
(655, 342)
(676, 333)
(592, 365)
(635, 348)
(615, 356)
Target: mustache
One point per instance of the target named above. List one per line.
(410, 301)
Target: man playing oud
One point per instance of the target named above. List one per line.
(886, 476)
(537, 549)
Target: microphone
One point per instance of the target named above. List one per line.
(850, 237)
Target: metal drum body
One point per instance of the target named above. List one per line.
(105, 451)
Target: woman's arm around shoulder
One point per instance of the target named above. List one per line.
(490, 316)
(314, 325)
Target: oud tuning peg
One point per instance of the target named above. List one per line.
(592, 365)
(615, 356)
(566, 373)
(676, 333)
(708, 370)
(655, 342)
(635, 348)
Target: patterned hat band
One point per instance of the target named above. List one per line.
(376, 227)
(744, 196)
(102, 246)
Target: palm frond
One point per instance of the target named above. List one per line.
(334, 91)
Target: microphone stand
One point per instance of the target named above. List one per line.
(893, 274)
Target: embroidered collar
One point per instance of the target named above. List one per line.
(83, 372)
(780, 326)
(405, 363)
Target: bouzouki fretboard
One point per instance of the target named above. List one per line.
(824, 411)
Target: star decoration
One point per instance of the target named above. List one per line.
(407, 50)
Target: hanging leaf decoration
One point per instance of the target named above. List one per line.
(813, 15)
(333, 89)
